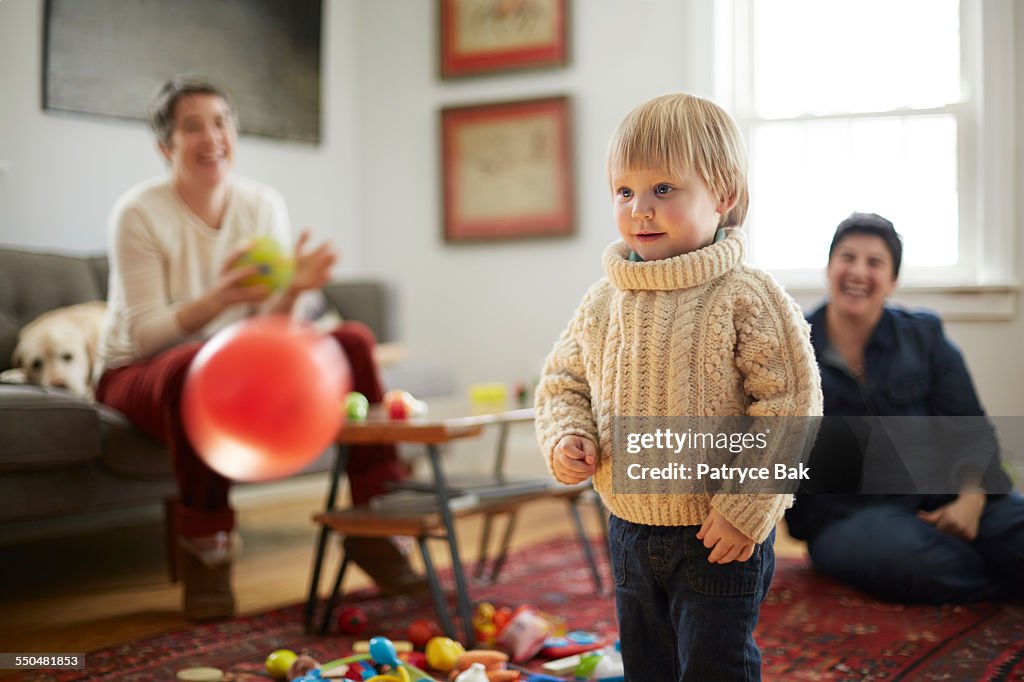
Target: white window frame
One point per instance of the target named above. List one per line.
(986, 283)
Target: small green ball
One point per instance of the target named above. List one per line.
(275, 266)
(357, 406)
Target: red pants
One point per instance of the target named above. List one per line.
(149, 394)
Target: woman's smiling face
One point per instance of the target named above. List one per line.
(202, 147)
(861, 275)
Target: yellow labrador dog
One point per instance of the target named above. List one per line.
(59, 348)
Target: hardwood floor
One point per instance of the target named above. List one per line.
(92, 591)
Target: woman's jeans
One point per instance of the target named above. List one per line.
(885, 550)
(680, 617)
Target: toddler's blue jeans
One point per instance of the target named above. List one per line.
(680, 617)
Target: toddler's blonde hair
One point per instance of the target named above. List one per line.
(680, 132)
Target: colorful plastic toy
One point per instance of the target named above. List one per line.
(493, 663)
(351, 620)
(525, 634)
(278, 662)
(609, 668)
(402, 405)
(380, 662)
(442, 652)
(575, 642)
(422, 631)
(301, 666)
(483, 624)
(474, 673)
(356, 406)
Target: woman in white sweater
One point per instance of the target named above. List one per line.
(175, 281)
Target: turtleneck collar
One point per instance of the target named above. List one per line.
(680, 272)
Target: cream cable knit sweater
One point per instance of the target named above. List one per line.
(700, 334)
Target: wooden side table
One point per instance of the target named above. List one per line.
(446, 423)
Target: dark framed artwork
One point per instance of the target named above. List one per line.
(109, 57)
(480, 37)
(507, 170)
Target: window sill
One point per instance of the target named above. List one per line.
(980, 303)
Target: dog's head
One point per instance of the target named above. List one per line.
(57, 353)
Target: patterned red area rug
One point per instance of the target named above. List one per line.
(811, 629)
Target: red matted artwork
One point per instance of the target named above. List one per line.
(485, 36)
(507, 170)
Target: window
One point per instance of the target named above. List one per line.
(900, 107)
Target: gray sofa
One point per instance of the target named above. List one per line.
(67, 463)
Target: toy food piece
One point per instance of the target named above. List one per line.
(493, 663)
(302, 665)
(200, 675)
(275, 266)
(442, 652)
(474, 673)
(483, 624)
(422, 631)
(351, 620)
(278, 662)
(485, 657)
(402, 405)
(356, 406)
(363, 647)
(585, 669)
(525, 634)
(502, 616)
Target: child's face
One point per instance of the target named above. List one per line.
(661, 215)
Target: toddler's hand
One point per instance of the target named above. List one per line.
(724, 540)
(575, 459)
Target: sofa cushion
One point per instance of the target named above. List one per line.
(44, 428)
(33, 283)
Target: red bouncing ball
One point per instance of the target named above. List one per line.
(351, 620)
(262, 398)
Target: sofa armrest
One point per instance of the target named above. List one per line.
(371, 302)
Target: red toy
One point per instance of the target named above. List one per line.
(422, 631)
(402, 405)
(351, 620)
(262, 398)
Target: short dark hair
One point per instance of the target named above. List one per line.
(875, 225)
(161, 108)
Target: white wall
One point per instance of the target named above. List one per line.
(994, 349)
(67, 170)
(492, 310)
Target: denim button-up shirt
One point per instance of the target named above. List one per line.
(910, 369)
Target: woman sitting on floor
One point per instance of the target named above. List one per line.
(881, 361)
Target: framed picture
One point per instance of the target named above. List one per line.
(507, 170)
(109, 57)
(486, 36)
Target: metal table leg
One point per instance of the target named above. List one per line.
(461, 589)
